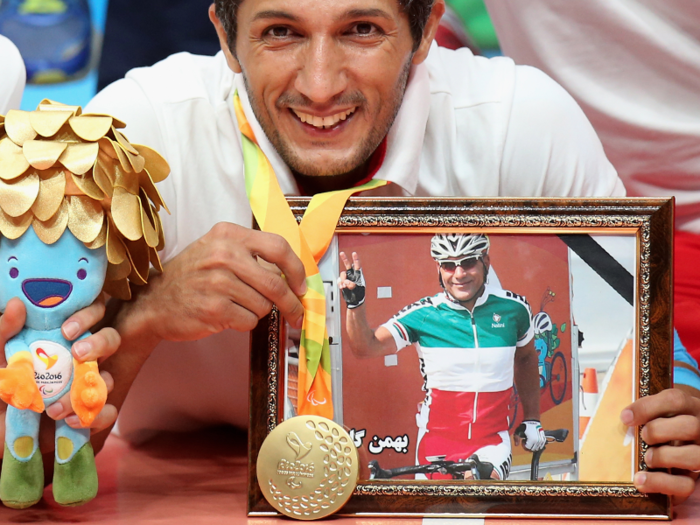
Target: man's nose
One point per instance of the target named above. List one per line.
(460, 272)
(321, 75)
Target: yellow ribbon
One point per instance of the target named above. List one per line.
(309, 240)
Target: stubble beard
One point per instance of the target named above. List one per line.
(363, 152)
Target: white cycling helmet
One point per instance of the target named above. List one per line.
(453, 245)
(542, 323)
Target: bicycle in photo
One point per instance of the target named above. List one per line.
(457, 469)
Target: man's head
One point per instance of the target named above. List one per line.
(463, 264)
(417, 12)
(325, 78)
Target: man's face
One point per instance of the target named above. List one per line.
(325, 77)
(465, 282)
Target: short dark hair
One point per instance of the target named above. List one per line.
(418, 12)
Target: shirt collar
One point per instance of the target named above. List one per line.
(404, 142)
(481, 300)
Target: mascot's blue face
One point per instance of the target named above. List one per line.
(53, 281)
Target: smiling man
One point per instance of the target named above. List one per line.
(474, 343)
(336, 92)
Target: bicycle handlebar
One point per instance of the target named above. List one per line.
(451, 467)
(559, 435)
(457, 467)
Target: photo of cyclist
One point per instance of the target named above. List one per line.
(474, 341)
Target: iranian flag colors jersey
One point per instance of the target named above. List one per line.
(463, 351)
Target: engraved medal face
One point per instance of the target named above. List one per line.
(307, 467)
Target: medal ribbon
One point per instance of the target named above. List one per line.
(309, 241)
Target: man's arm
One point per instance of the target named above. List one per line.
(215, 284)
(527, 379)
(364, 341)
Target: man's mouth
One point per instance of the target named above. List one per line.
(323, 122)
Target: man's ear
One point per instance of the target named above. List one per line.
(231, 60)
(429, 32)
(487, 262)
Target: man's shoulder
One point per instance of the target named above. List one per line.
(475, 80)
(420, 307)
(508, 298)
(184, 76)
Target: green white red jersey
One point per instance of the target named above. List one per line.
(462, 350)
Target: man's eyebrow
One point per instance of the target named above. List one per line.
(271, 13)
(367, 13)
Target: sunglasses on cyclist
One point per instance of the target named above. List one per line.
(466, 264)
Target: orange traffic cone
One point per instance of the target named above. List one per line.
(588, 400)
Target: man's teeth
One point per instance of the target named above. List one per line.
(323, 122)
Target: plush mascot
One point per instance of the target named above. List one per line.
(78, 215)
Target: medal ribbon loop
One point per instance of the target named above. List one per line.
(309, 241)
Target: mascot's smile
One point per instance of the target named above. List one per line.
(47, 293)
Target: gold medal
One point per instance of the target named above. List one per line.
(308, 467)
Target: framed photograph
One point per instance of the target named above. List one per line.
(476, 319)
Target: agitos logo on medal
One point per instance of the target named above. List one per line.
(296, 468)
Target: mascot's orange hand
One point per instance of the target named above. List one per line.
(17, 385)
(88, 394)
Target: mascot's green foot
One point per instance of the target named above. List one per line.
(21, 482)
(75, 482)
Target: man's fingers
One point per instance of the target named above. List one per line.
(81, 321)
(685, 457)
(680, 487)
(273, 248)
(356, 261)
(105, 419)
(62, 409)
(662, 405)
(679, 428)
(12, 321)
(98, 346)
(346, 262)
(269, 286)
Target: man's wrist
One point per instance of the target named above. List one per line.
(136, 320)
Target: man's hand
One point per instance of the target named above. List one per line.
(351, 282)
(217, 283)
(97, 347)
(531, 435)
(671, 422)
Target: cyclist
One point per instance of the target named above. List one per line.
(473, 341)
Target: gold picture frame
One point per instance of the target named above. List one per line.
(645, 225)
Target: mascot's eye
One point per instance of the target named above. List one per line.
(82, 274)
(14, 273)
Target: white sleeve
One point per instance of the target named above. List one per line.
(551, 148)
(398, 332)
(12, 76)
(126, 100)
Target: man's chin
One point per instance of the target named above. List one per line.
(324, 167)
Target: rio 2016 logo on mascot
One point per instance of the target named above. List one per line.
(78, 215)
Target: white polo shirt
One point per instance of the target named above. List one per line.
(12, 76)
(634, 66)
(468, 126)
